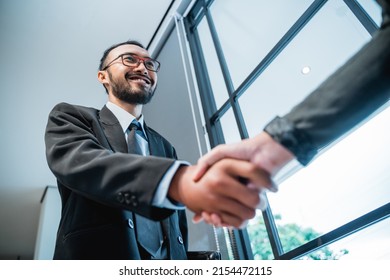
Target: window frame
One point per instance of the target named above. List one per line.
(240, 242)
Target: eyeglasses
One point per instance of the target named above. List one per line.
(132, 60)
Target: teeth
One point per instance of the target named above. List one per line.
(140, 80)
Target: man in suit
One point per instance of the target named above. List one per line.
(355, 91)
(118, 203)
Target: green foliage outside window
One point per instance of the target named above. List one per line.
(291, 236)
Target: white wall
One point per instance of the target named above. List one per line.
(50, 52)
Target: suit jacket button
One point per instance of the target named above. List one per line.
(180, 240)
(127, 198)
(134, 201)
(130, 223)
(120, 197)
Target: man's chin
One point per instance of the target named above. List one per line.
(136, 98)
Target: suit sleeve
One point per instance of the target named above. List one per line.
(82, 163)
(345, 99)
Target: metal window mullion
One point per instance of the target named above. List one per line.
(269, 221)
(197, 13)
(227, 78)
(243, 243)
(280, 46)
(237, 239)
(368, 23)
(360, 223)
(213, 128)
(212, 115)
(240, 240)
(273, 235)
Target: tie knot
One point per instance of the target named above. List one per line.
(135, 125)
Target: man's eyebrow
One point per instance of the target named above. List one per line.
(137, 55)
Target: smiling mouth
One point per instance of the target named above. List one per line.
(139, 79)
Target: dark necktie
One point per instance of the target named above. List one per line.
(149, 232)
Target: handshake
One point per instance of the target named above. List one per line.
(228, 184)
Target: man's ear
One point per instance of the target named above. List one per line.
(102, 77)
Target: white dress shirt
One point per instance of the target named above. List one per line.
(160, 198)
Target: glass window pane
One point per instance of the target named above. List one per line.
(373, 10)
(261, 247)
(347, 181)
(371, 243)
(341, 184)
(329, 39)
(245, 33)
(229, 127)
(213, 67)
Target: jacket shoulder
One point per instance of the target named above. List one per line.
(63, 109)
(67, 107)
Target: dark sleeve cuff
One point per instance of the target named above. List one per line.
(296, 141)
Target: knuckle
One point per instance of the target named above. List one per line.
(220, 147)
(252, 168)
(250, 213)
(215, 181)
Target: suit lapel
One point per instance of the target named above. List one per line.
(113, 130)
(156, 147)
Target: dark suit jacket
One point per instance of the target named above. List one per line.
(101, 185)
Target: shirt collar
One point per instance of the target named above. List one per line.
(124, 117)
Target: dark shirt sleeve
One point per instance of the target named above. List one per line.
(351, 94)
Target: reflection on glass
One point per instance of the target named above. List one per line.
(329, 39)
(371, 243)
(229, 127)
(213, 67)
(244, 29)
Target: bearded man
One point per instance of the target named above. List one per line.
(123, 191)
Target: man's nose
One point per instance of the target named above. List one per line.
(140, 68)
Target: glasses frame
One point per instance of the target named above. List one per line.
(140, 59)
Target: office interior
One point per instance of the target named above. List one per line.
(228, 68)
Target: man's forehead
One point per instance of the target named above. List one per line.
(129, 49)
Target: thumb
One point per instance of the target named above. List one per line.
(200, 170)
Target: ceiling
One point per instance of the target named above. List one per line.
(50, 52)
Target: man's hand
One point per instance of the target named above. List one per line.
(222, 190)
(261, 150)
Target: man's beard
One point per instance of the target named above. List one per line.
(129, 94)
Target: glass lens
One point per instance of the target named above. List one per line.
(133, 60)
(151, 64)
(130, 60)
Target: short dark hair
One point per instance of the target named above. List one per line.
(107, 51)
